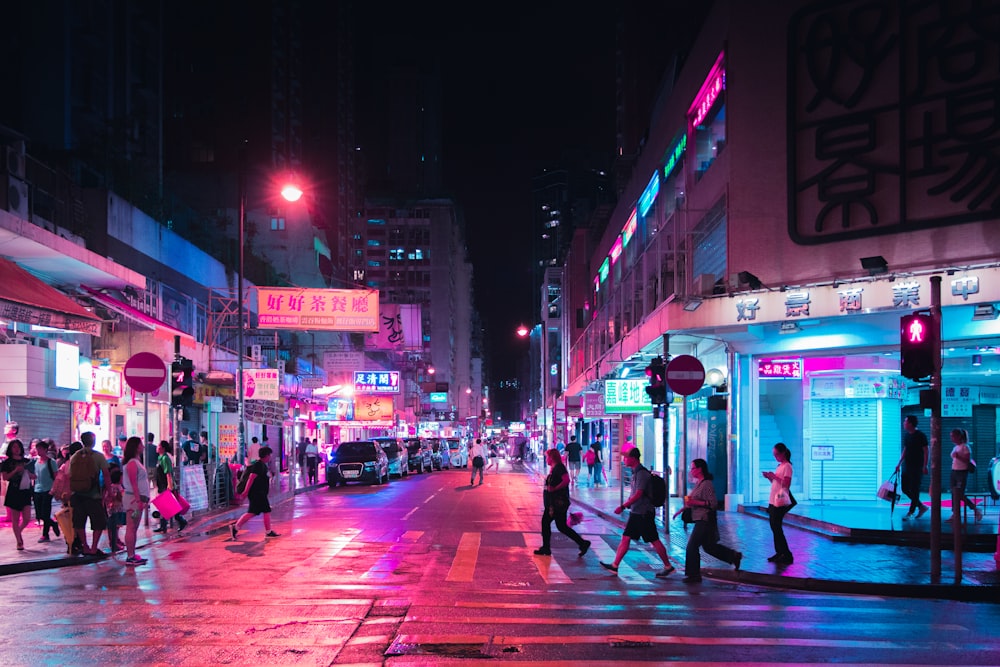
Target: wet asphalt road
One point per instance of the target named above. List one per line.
(429, 570)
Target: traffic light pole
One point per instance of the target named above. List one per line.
(665, 415)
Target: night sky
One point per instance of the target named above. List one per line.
(520, 89)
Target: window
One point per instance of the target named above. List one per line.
(277, 224)
(710, 139)
(375, 243)
(373, 262)
(397, 254)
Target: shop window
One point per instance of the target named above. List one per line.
(710, 139)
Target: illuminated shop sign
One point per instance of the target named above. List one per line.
(675, 157)
(67, 366)
(629, 230)
(372, 408)
(597, 283)
(376, 382)
(779, 369)
(649, 194)
(604, 270)
(714, 84)
(626, 396)
(317, 309)
(338, 409)
(438, 397)
(105, 384)
(616, 250)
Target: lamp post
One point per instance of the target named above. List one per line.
(241, 440)
(523, 331)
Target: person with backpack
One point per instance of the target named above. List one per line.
(590, 458)
(86, 468)
(642, 517)
(705, 534)
(255, 486)
(555, 501)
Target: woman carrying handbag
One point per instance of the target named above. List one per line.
(705, 534)
(555, 500)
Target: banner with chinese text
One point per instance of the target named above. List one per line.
(317, 309)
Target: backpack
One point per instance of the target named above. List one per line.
(590, 458)
(83, 471)
(241, 485)
(656, 490)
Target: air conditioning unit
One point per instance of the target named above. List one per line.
(14, 159)
(704, 284)
(17, 196)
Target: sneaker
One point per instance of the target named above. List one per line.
(923, 510)
(907, 517)
(542, 552)
(135, 560)
(271, 533)
(774, 558)
(159, 530)
(182, 524)
(584, 548)
(666, 572)
(44, 538)
(738, 560)
(609, 566)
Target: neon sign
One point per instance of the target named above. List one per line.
(605, 268)
(629, 229)
(675, 157)
(616, 250)
(779, 368)
(376, 382)
(709, 93)
(649, 194)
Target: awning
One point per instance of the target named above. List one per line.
(161, 329)
(26, 299)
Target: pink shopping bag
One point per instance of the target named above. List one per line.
(166, 504)
(182, 502)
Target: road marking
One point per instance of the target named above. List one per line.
(464, 566)
(411, 535)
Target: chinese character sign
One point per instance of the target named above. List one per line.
(261, 384)
(626, 396)
(376, 382)
(779, 368)
(318, 309)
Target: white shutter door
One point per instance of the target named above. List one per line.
(851, 426)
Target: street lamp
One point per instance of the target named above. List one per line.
(543, 379)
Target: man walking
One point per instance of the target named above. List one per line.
(914, 463)
(477, 455)
(642, 518)
(86, 470)
(257, 487)
(573, 453)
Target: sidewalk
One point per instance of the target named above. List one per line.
(833, 548)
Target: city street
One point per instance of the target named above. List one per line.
(429, 570)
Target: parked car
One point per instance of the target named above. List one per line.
(418, 455)
(396, 454)
(459, 453)
(357, 461)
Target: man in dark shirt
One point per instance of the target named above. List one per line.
(914, 463)
(573, 451)
(257, 487)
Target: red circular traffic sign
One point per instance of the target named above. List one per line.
(685, 375)
(145, 372)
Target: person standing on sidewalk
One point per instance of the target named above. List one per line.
(135, 482)
(914, 463)
(961, 457)
(258, 485)
(573, 452)
(45, 474)
(598, 447)
(555, 501)
(16, 471)
(705, 534)
(641, 519)
(779, 502)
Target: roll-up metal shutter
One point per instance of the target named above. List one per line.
(42, 418)
(852, 427)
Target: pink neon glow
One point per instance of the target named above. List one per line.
(629, 229)
(714, 84)
(616, 249)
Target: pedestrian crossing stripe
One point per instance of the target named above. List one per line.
(463, 567)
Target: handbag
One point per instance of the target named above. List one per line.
(888, 490)
(167, 505)
(687, 516)
(972, 466)
(182, 502)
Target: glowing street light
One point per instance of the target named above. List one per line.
(291, 192)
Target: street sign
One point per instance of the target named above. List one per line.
(685, 375)
(145, 372)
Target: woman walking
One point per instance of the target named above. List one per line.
(555, 500)
(705, 534)
(135, 481)
(779, 502)
(961, 458)
(20, 482)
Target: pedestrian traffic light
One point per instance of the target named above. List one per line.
(656, 371)
(919, 345)
(182, 383)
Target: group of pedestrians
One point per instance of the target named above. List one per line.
(701, 503)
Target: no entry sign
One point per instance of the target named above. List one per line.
(145, 372)
(685, 375)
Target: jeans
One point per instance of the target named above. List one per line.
(550, 514)
(43, 511)
(475, 469)
(777, 516)
(705, 535)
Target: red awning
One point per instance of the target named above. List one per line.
(26, 299)
(137, 316)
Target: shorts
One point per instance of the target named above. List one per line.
(18, 499)
(642, 526)
(259, 505)
(85, 507)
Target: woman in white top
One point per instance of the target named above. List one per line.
(779, 502)
(961, 455)
(135, 481)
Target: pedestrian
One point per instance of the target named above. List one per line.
(705, 534)
(165, 481)
(573, 452)
(914, 464)
(114, 496)
(45, 475)
(16, 471)
(135, 484)
(961, 458)
(590, 458)
(109, 452)
(86, 469)
(555, 505)
(779, 502)
(257, 487)
(312, 461)
(493, 457)
(253, 451)
(641, 519)
(598, 471)
(477, 454)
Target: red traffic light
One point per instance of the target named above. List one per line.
(919, 346)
